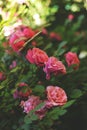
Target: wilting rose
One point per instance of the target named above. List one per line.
(36, 56)
(31, 103)
(53, 65)
(22, 91)
(24, 94)
(72, 59)
(56, 95)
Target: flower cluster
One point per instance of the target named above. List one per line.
(56, 96)
(51, 64)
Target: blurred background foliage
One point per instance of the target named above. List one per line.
(54, 16)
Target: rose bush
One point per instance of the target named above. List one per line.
(35, 61)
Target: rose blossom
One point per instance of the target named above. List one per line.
(16, 94)
(55, 36)
(2, 76)
(70, 17)
(15, 42)
(31, 103)
(56, 95)
(34, 43)
(22, 84)
(28, 32)
(71, 59)
(22, 91)
(44, 32)
(24, 94)
(36, 56)
(13, 65)
(53, 65)
(27, 91)
(20, 36)
(41, 112)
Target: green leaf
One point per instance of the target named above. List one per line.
(68, 104)
(14, 70)
(39, 89)
(60, 52)
(14, 127)
(62, 44)
(48, 46)
(27, 120)
(2, 87)
(60, 49)
(39, 106)
(34, 117)
(62, 112)
(56, 113)
(25, 127)
(76, 93)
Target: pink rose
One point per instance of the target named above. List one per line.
(28, 32)
(31, 103)
(48, 104)
(24, 94)
(53, 65)
(70, 17)
(22, 84)
(55, 36)
(15, 42)
(34, 43)
(16, 94)
(2, 76)
(41, 112)
(36, 56)
(71, 59)
(13, 65)
(44, 32)
(23, 91)
(20, 36)
(56, 95)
